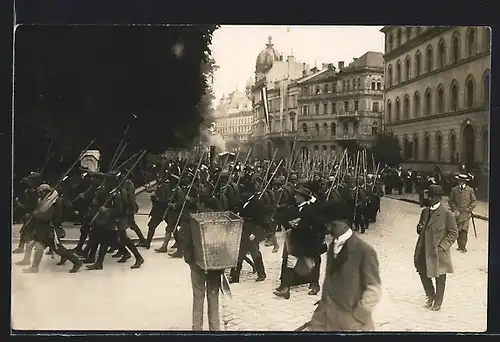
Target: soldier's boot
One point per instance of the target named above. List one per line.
(91, 254)
(177, 254)
(176, 237)
(283, 291)
(164, 246)
(138, 231)
(37, 259)
(147, 243)
(234, 275)
(275, 243)
(250, 262)
(103, 249)
(62, 261)
(78, 250)
(139, 260)
(315, 288)
(27, 255)
(122, 251)
(69, 255)
(125, 255)
(261, 271)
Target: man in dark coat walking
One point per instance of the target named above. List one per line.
(437, 232)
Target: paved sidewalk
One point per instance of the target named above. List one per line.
(481, 211)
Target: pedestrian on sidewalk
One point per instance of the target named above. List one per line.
(462, 201)
(352, 286)
(437, 232)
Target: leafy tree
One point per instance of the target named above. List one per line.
(76, 83)
(387, 150)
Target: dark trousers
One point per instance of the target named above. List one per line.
(438, 293)
(125, 242)
(133, 225)
(462, 238)
(252, 247)
(84, 234)
(316, 270)
(205, 284)
(409, 186)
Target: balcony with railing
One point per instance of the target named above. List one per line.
(285, 134)
(355, 136)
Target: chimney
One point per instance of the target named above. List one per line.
(304, 69)
(313, 70)
(341, 65)
(281, 57)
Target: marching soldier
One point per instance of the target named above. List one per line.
(131, 208)
(173, 210)
(462, 201)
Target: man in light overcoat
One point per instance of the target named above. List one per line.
(437, 232)
(462, 201)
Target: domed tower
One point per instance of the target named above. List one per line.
(266, 58)
(248, 88)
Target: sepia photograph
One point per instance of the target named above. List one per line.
(256, 178)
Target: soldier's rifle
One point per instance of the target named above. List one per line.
(243, 167)
(336, 177)
(356, 175)
(174, 191)
(269, 166)
(118, 148)
(270, 179)
(220, 172)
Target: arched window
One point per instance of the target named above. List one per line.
(398, 109)
(304, 127)
(292, 121)
(440, 99)
(398, 72)
(389, 111)
(354, 84)
(418, 64)
(406, 148)
(406, 108)
(399, 37)
(415, 147)
(429, 58)
(456, 48)
(469, 93)
(439, 146)
(325, 128)
(454, 96)
(428, 102)
(390, 42)
(471, 42)
(486, 89)
(333, 129)
(375, 128)
(416, 105)
(426, 147)
(316, 126)
(453, 147)
(355, 128)
(408, 68)
(442, 54)
(389, 75)
(487, 39)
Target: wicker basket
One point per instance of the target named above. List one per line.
(216, 237)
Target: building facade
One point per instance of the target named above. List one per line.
(233, 120)
(437, 94)
(343, 107)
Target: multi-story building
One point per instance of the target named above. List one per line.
(437, 94)
(341, 108)
(233, 120)
(279, 78)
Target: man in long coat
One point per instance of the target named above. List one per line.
(352, 286)
(437, 232)
(462, 201)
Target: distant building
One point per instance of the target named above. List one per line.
(234, 120)
(437, 94)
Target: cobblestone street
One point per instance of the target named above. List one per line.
(158, 296)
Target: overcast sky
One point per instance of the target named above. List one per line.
(235, 48)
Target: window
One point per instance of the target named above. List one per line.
(375, 128)
(418, 63)
(317, 90)
(292, 121)
(346, 128)
(442, 54)
(406, 108)
(389, 111)
(486, 89)
(343, 85)
(440, 100)
(354, 84)
(454, 97)
(379, 86)
(325, 128)
(356, 105)
(415, 148)
(453, 147)
(389, 75)
(334, 87)
(346, 106)
(326, 89)
(408, 68)
(333, 128)
(373, 85)
(426, 147)
(304, 110)
(439, 146)
(355, 128)
(390, 42)
(375, 107)
(304, 128)
(456, 48)
(428, 103)
(316, 128)
(359, 83)
(334, 107)
(471, 42)
(408, 33)
(469, 97)
(316, 109)
(348, 85)
(429, 59)
(325, 108)
(399, 37)
(398, 72)
(398, 110)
